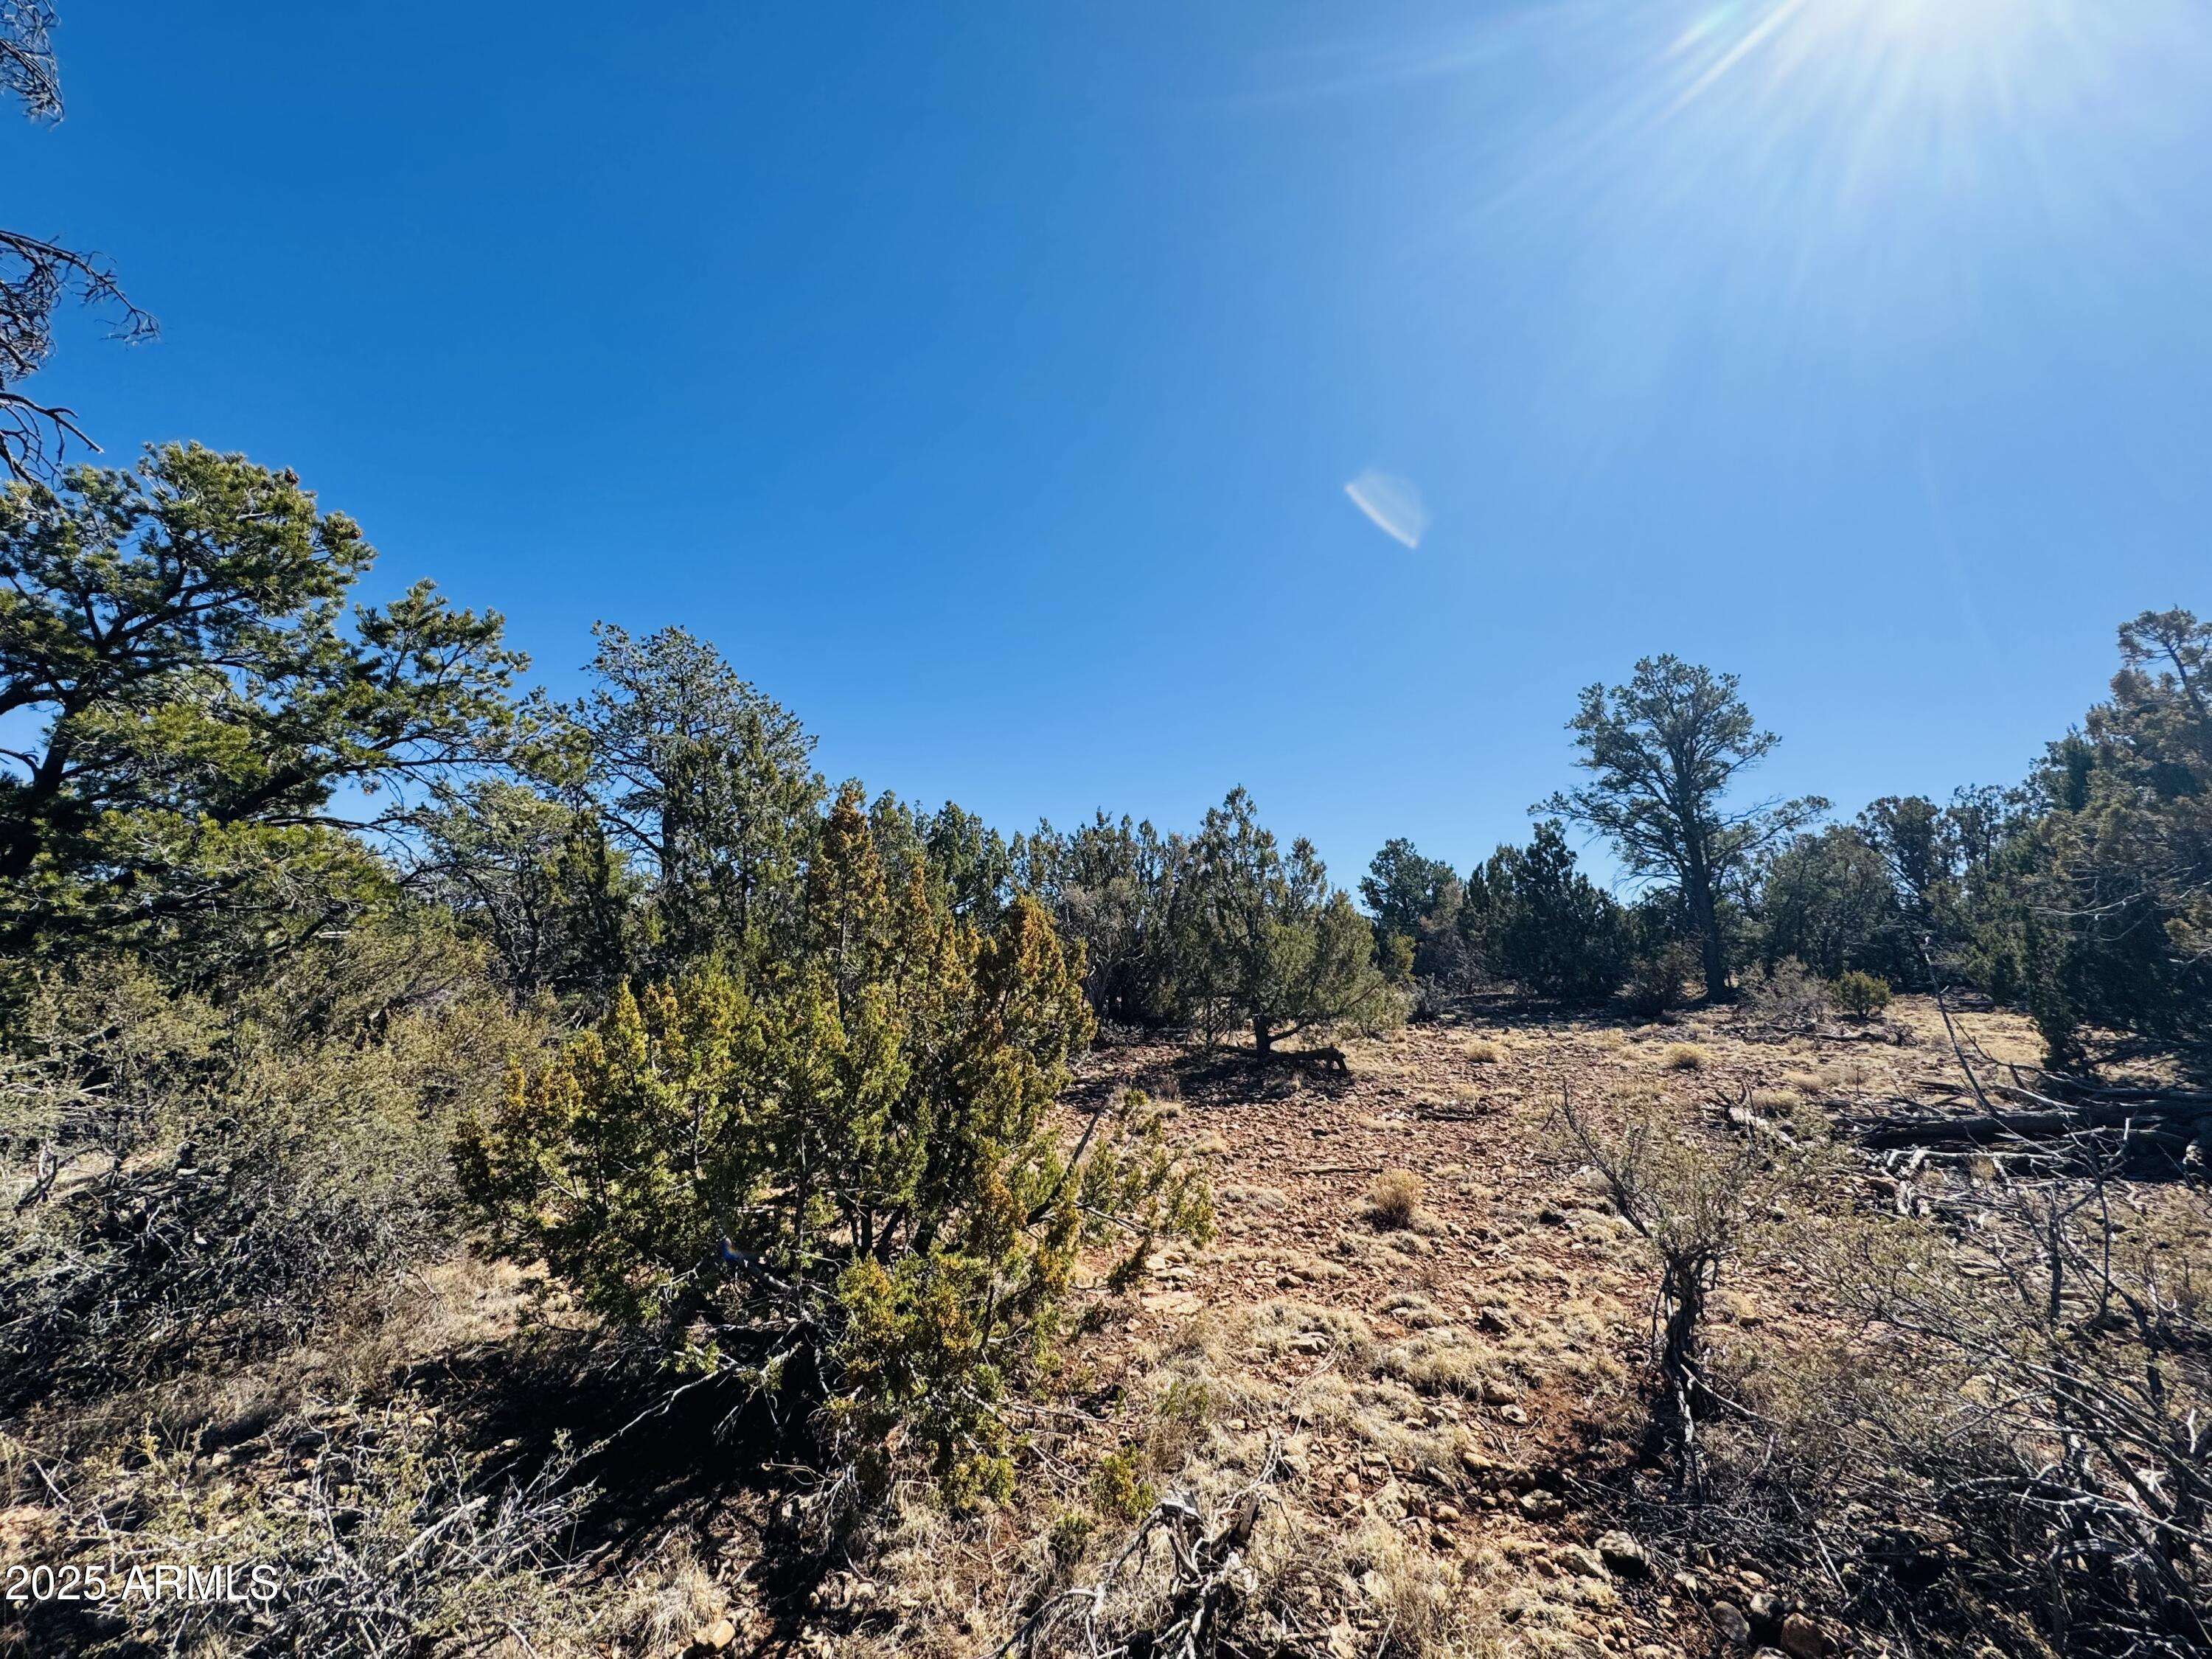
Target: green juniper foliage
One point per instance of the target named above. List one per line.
(835, 1175)
(1553, 931)
(704, 783)
(1112, 887)
(1860, 995)
(2111, 886)
(1830, 899)
(1265, 942)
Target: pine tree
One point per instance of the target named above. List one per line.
(1665, 749)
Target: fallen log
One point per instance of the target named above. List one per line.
(1934, 1131)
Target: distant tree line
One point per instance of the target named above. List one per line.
(2083, 895)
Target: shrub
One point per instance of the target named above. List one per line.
(840, 1185)
(1431, 1000)
(1396, 1198)
(1697, 1206)
(1118, 1487)
(1685, 1057)
(2012, 1442)
(389, 1541)
(208, 1179)
(1860, 995)
(1658, 978)
(1787, 996)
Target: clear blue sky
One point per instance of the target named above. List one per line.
(986, 380)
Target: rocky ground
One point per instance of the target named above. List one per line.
(1438, 1407)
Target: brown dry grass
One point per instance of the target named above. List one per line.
(1418, 1319)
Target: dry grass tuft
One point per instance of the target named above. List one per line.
(1395, 1199)
(1685, 1057)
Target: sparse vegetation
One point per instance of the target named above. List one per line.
(1697, 1206)
(1787, 996)
(805, 1152)
(556, 1175)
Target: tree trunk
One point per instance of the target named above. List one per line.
(1706, 917)
(1263, 1035)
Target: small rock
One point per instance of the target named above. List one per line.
(1541, 1505)
(1495, 1392)
(1583, 1563)
(1804, 1638)
(713, 1638)
(1624, 1555)
(1513, 1414)
(1728, 1618)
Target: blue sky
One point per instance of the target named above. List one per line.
(986, 381)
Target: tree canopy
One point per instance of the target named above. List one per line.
(1664, 751)
(1269, 944)
(207, 711)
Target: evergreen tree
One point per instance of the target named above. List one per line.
(1111, 885)
(1406, 893)
(1416, 900)
(215, 731)
(1832, 901)
(1264, 941)
(36, 274)
(1553, 931)
(1664, 750)
(536, 878)
(2114, 881)
(840, 1185)
(705, 783)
